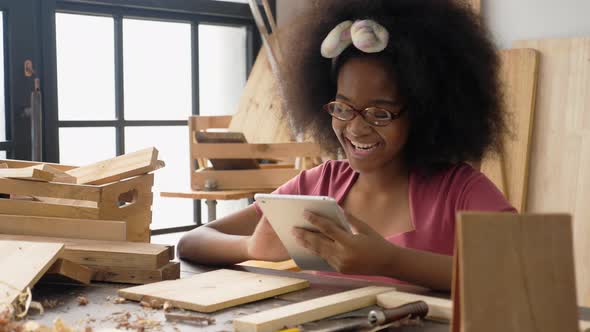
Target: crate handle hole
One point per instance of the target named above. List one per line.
(127, 198)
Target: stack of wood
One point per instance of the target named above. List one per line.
(84, 223)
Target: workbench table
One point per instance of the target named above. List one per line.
(101, 311)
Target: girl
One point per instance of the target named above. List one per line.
(409, 90)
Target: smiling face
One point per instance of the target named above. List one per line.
(363, 82)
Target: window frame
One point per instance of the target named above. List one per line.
(194, 12)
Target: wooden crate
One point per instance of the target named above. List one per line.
(128, 200)
(267, 176)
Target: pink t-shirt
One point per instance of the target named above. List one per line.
(434, 200)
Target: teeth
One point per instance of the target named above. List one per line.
(363, 146)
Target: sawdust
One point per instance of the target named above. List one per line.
(82, 300)
(137, 322)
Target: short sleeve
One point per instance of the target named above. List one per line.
(480, 194)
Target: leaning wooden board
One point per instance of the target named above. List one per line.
(515, 273)
(509, 171)
(23, 264)
(215, 290)
(309, 311)
(559, 175)
(106, 253)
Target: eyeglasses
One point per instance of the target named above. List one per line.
(375, 116)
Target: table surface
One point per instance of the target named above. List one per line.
(102, 312)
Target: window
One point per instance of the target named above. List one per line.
(129, 78)
(3, 128)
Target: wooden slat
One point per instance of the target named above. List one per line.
(31, 208)
(27, 173)
(201, 122)
(438, 309)
(170, 271)
(258, 151)
(54, 190)
(515, 273)
(119, 168)
(25, 163)
(243, 179)
(216, 195)
(560, 157)
(308, 311)
(105, 253)
(510, 171)
(23, 264)
(58, 175)
(288, 265)
(63, 227)
(69, 270)
(215, 290)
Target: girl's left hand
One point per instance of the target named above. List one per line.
(365, 252)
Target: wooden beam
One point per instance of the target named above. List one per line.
(69, 270)
(308, 311)
(58, 175)
(27, 173)
(119, 168)
(170, 271)
(243, 179)
(23, 264)
(106, 253)
(256, 151)
(54, 190)
(438, 309)
(63, 227)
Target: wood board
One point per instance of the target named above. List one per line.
(170, 271)
(215, 290)
(119, 168)
(438, 309)
(509, 171)
(16, 276)
(63, 268)
(106, 253)
(259, 112)
(308, 311)
(514, 273)
(63, 227)
(27, 173)
(559, 175)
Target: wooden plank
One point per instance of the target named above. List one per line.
(119, 168)
(510, 171)
(25, 163)
(216, 195)
(62, 227)
(58, 175)
(20, 207)
(259, 114)
(69, 270)
(202, 122)
(559, 175)
(308, 311)
(438, 309)
(170, 271)
(105, 253)
(243, 179)
(516, 273)
(288, 265)
(215, 290)
(23, 264)
(27, 173)
(54, 190)
(259, 151)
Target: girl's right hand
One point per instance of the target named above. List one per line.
(265, 245)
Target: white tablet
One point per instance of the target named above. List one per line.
(286, 211)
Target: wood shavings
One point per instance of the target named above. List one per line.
(141, 324)
(167, 306)
(120, 300)
(82, 300)
(200, 320)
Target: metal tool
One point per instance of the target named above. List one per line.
(418, 309)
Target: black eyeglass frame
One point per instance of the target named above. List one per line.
(363, 113)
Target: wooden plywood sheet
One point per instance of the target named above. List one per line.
(216, 290)
(308, 311)
(515, 273)
(23, 264)
(509, 171)
(63, 227)
(259, 111)
(559, 175)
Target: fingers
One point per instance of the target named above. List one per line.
(328, 227)
(314, 242)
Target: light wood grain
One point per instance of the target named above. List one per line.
(27, 173)
(69, 270)
(216, 195)
(58, 175)
(515, 273)
(25, 163)
(105, 253)
(259, 151)
(560, 157)
(170, 271)
(509, 171)
(53, 190)
(243, 179)
(308, 311)
(23, 264)
(62, 227)
(438, 309)
(119, 168)
(216, 290)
